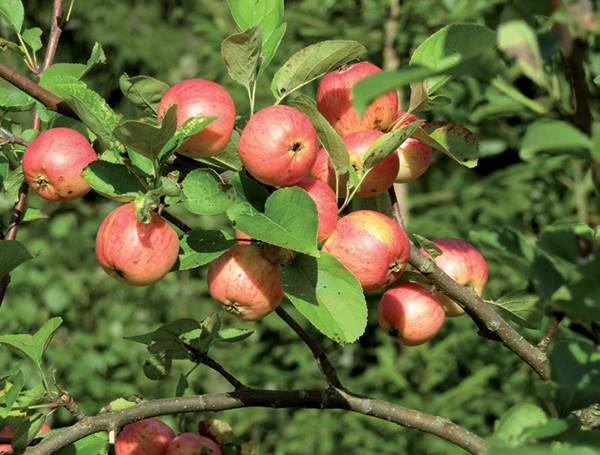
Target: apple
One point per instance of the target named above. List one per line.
(326, 203)
(465, 265)
(324, 171)
(217, 430)
(245, 282)
(410, 313)
(414, 155)
(193, 444)
(8, 433)
(53, 163)
(278, 146)
(383, 174)
(334, 101)
(199, 97)
(242, 238)
(145, 437)
(134, 252)
(371, 245)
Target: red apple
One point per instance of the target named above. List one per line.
(334, 101)
(146, 437)
(326, 204)
(198, 97)
(278, 147)
(242, 238)
(410, 313)
(371, 245)
(193, 444)
(245, 282)
(54, 161)
(134, 252)
(465, 265)
(8, 433)
(415, 156)
(382, 176)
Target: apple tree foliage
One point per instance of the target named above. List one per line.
(514, 173)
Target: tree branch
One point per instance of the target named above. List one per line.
(484, 315)
(203, 358)
(324, 364)
(545, 342)
(311, 399)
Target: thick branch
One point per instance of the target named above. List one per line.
(324, 364)
(314, 399)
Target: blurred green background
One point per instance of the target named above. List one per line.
(457, 375)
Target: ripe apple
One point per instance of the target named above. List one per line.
(465, 265)
(334, 101)
(54, 161)
(326, 203)
(245, 282)
(324, 171)
(199, 97)
(382, 176)
(410, 313)
(193, 444)
(145, 437)
(8, 432)
(415, 156)
(371, 245)
(134, 252)
(278, 147)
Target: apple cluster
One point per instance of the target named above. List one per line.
(153, 437)
(8, 433)
(278, 147)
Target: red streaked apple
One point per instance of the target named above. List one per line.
(278, 146)
(199, 97)
(414, 155)
(134, 252)
(464, 264)
(245, 282)
(371, 245)
(193, 444)
(145, 437)
(409, 313)
(54, 161)
(334, 101)
(326, 203)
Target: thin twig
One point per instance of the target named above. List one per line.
(324, 364)
(545, 342)
(202, 357)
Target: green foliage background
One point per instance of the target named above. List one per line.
(457, 375)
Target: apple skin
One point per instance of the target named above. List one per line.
(8, 432)
(334, 101)
(199, 97)
(278, 146)
(382, 176)
(54, 161)
(410, 313)
(133, 252)
(245, 282)
(193, 444)
(465, 265)
(326, 203)
(414, 155)
(324, 171)
(371, 245)
(145, 437)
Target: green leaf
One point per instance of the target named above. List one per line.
(249, 190)
(518, 40)
(574, 366)
(202, 247)
(290, 220)
(158, 365)
(113, 181)
(190, 127)
(229, 158)
(97, 57)
(12, 11)
(17, 382)
(422, 242)
(13, 99)
(329, 138)
(206, 194)
(233, 335)
(312, 62)
(182, 385)
(450, 46)
(32, 36)
(94, 444)
(271, 43)
(387, 144)
(328, 295)
(454, 140)
(553, 136)
(58, 72)
(90, 107)
(241, 53)
(522, 308)
(143, 91)
(510, 428)
(12, 254)
(33, 346)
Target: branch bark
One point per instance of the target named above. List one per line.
(310, 399)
